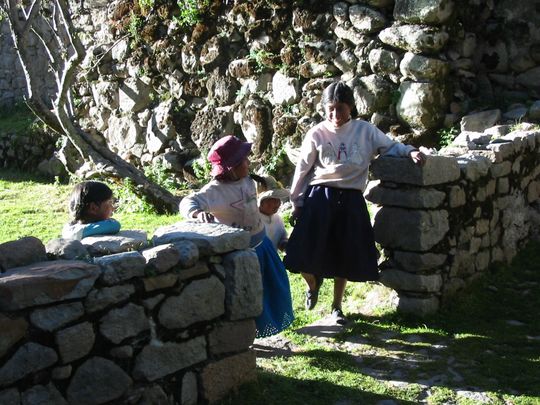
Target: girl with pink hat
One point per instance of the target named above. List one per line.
(231, 199)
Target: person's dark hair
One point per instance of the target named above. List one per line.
(339, 92)
(85, 193)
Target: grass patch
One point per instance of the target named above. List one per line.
(18, 119)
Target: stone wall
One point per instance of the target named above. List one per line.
(12, 78)
(163, 93)
(443, 225)
(116, 320)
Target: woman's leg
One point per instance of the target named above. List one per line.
(311, 281)
(312, 294)
(339, 289)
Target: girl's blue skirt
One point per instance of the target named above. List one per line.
(277, 312)
(333, 236)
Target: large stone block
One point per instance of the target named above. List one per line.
(161, 258)
(405, 281)
(410, 198)
(75, 342)
(157, 361)
(97, 381)
(418, 230)
(219, 378)
(418, 262)
(210, 238)
(121, 267)
(125, 322)
(21, 252)
(436, 170)
(244, 285)
(232, 337)
(123, 241)
(104, 297)
(50, 319)
(201, 300)
(45, 283)
(11, 331)
(418, 306)
(29, 359)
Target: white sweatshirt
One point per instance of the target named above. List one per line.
(233, 204)
(340, 157)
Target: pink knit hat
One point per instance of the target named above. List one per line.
(227, 153)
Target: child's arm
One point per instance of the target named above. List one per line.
(194, 206)
(105, 227)
(284, 238)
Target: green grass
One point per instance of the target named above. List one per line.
(30, 206)
(489, 336)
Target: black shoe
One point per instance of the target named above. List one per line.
(338, 317)
(312, 296)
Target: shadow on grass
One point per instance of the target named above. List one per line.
(19, 176)
(276, 389)
(487, 340)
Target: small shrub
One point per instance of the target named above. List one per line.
(202, 168)
(191, 12)
(135, 27)
(446, 136)
(158, 174)
(261, 59)
(146, 6)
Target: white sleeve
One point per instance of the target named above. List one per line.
(304, 170)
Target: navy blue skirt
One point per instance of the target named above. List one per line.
(333, 236)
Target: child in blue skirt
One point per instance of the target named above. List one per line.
(231, 199)
(333, 237)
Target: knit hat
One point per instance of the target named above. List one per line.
(271, 188)
(227, 153)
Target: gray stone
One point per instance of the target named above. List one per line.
(125, 322)
(29, 358)
(418, 306)
(501, 169)
(480, 121)
(420, 68)
(46, 283)
(105, 297)
(210, 238)
(231, 337)
(61, 373)
(42, 394)
(134, 95)
(189, 389)
(189, 253)
(50, 319)
(366, 20)
(121, 267)
(220, 377)
(21, 252)
(418, 262)
(414, 38)
(383, 61)
(405, 281)
(198, 270)
(123, 241)
(159, 282)
(419, 230)
(408, 198)
(154, 395)
(474, 167)
(69, 249)
(436, 170)
(91, 383)
(75, 342)
(243, 285)
(151, 303)
(456, 197)
(161, 258)
(285, 90)
(421, 105)
(122, 352)
(123, 133)
(11, 331)
(157, 361)
(372, 93)
(432, 12)
(201, 300)
(10, 396)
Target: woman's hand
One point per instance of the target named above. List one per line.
(295, 215)
(203, 216)
(418, 157)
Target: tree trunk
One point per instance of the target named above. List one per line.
(65, 53)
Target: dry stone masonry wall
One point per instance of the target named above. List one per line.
(443, 225)
(160, 93)
(138, 323)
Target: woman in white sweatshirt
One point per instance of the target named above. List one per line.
(333, 237)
